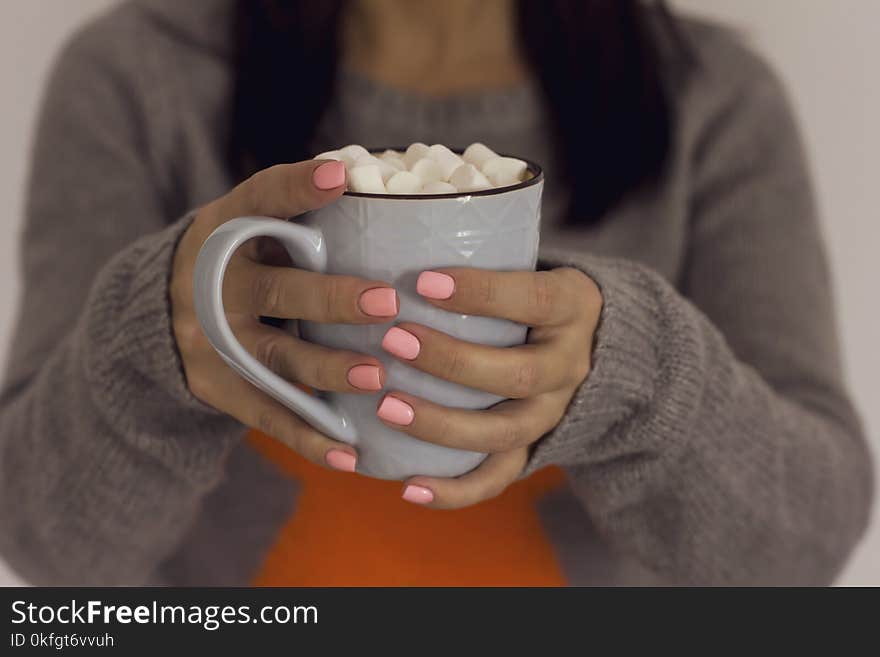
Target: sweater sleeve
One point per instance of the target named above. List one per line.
(713, 440)
(105, 456)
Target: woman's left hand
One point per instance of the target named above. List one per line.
(539, 378)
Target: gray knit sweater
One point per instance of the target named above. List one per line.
(713, 442)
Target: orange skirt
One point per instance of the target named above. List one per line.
(349, 530)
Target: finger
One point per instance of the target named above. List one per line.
(517, 372)
(291, 293)
(509, 424)
(314, 365)
(225, 390)
(279, 422)
(541, 298)
(486, 481)
(284, 190)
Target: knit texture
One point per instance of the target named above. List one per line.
(713, 442)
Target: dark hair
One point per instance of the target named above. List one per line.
(597, 61)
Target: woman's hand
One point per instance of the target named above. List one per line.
(253, 288)
(562, 307)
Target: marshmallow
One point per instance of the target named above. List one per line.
(394, 158)
(467, 178)
(363, 160)
(477, 154)
(396, 162)
(353, 151)
(502, 171)
(424, 169)
(427, 170)
(385, 168)
(415, 152)
(404, 182)
(329, 155)
(366, 179)
(438, 187)
(447, 160)
(345, 159)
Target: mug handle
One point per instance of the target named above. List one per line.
(307, 249)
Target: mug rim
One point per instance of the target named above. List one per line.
(534, 167)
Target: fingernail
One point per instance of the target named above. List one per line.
(329, 175)
(379, 302)
(340, 460)
(395, 411)
(418, 494)
(435, 285)
(402, 344)
(365, 377)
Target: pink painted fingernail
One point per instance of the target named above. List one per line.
(434, 285)
(418, 494)
(329, 175)
(402, 344)
(340, 460)
(379, 302)
(395, 411)
(365, 377)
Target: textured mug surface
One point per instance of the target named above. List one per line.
(393, 239)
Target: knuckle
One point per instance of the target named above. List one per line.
(267, 422)
(268, 351)
(512, 434)
(206, 220)
(199, 386)
(578, 279)
(332, 295)
(180, 290)
(570, 273)
(189, 336)
(293, 186)
(544, 292)
(292, 183)
(322, 374)
(443, 425)
(524, 380)
(269, 288)
(487, 290)
(249, 190)
(453, 364)
(582, 363)
(583, 290)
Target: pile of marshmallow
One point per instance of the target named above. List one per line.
(423, 169)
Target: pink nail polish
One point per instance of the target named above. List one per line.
(395, 411)
(365, 377)
(340, 460)
(329, 175)
(402, 344)
(434, 285)
(379, 302)
(418, 494)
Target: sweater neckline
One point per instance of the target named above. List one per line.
(489, 103)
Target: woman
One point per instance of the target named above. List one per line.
(679, 414)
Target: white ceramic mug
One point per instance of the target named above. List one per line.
(391, 238)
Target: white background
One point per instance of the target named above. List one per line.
(827, 51)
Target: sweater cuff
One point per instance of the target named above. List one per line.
(133, 364)
(625, 362)
(144, 336)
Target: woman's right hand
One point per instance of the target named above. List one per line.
(253, 288)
